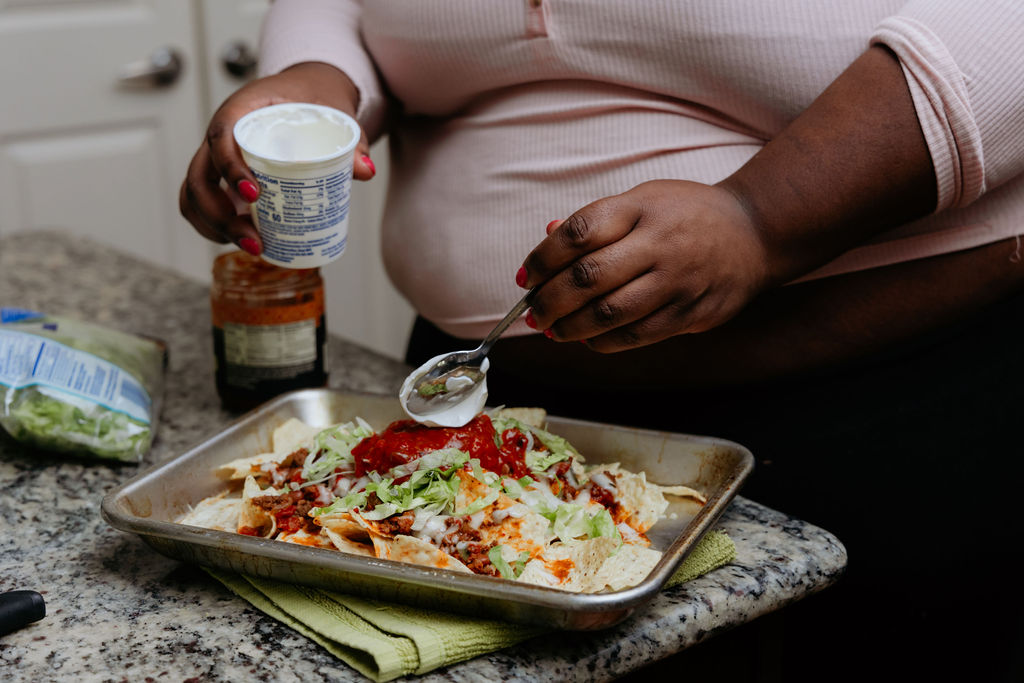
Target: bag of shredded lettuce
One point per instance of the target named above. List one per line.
(77, 387)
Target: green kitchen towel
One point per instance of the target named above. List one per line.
(385, 641)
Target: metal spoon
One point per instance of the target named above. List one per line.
(454, 376)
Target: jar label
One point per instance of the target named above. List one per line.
(265, 346)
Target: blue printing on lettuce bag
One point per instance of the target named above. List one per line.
(13, 315)
(27, 359)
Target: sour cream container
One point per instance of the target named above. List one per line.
(301, 154)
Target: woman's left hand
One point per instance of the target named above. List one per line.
(667, 257)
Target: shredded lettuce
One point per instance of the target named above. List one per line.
(334, 446)
(353, 500)
(513, 489)
(571, 521)
(541, 500)
(61, 425)
(427, 390)
(53, 419)
(540, 461)
(492, 479)
(478, 471)
(480, 503)
(432, 489)
(506, 570)
(602, 524)
(445, 457)
(559, 448)
(555, 444)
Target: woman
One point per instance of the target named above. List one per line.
(787, 223)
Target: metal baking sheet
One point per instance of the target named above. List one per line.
(149, 504)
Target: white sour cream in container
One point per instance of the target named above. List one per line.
(301, 154)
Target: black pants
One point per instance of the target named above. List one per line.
(913, 459)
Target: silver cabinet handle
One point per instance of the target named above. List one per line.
(159, 70)
(239, 60)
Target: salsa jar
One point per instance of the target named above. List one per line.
(269, 329)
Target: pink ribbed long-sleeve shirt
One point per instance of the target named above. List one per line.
(517, 112)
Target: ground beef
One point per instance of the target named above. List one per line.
(472, 553)
(475, 557)
(458, 529)
(602, 495)
(295, 504)
(397, 524)
(274, 504)
(296, 457)
(303, 507)
(567, 491)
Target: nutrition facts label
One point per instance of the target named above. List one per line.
(313, 210)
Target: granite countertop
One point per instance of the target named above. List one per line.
(117, 610)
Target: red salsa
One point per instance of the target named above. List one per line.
(406, 440)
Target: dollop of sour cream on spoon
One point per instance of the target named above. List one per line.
(457, 414)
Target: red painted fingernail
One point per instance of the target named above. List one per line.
(250, 245)
(248, 190)
(369, 162)
(552, 225)
(530, 321)
(521, 276)
(549, 334)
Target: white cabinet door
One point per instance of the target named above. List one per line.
(82, 150)
(361, 303)
(230, 30)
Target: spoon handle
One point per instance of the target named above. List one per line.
(517, 310)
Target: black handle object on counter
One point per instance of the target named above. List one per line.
(20, 608)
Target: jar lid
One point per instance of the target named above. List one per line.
(238, 269)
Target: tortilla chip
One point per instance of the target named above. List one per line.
(347, 535)
(628, 567)
(303, 537)
(215, 512)
(570, 566)
(293, 434)
(631, 535)
(416, 551)
(342, 523)
(470, 489)
(285, 440)
(642, 501)
(591, 566)
(531, 532)
(244, 467)
(684, 492)
(252, 515)
(346, 545)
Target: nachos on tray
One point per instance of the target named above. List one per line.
(500, 496)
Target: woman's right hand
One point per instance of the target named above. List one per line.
(218, 179)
